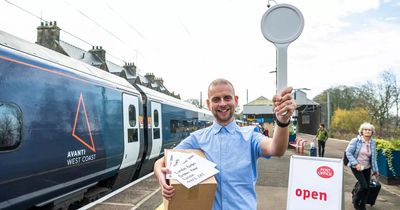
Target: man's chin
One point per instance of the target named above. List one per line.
(225, 119)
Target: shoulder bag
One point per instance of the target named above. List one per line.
(345, 160)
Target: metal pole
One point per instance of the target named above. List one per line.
(201, 99)
(247, 96)
(328, 123)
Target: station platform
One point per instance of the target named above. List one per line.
(272, 184)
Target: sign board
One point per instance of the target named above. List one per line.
(315, 183)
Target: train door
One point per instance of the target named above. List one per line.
(131, 130)
(156, 126)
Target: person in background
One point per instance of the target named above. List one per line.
(266, 132)
(260, 128)
(234, 149)
(361, 153)
(321, 136)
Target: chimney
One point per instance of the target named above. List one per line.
(159, 80)
(150, 77)
(48, 35)
(131, 68)
(99, 52)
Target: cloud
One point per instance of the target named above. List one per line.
(189, 43)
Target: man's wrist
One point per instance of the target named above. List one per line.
(281, 124)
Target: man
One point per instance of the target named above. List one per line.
(321, 136)
(234, 149)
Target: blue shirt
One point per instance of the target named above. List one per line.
(235, 150)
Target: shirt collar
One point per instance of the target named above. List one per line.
(363, 140)
(230, 128)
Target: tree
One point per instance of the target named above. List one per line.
(348, 121)
(341, 97)
(380, 98)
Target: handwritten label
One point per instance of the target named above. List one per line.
(189, 168)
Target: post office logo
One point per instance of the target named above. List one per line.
(325, 172)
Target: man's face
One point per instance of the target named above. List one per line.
(222, 103)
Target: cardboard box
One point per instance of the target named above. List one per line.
(199, 197)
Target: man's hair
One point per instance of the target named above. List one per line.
(220, 81)
(322, 124)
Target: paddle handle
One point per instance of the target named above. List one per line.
(281, 67)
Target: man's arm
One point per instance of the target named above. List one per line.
(284, 107)
(160, 171)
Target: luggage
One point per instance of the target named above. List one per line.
(313, 152)
(374, 188)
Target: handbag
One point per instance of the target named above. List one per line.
(345, 160)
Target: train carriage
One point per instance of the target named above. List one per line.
(67, 127)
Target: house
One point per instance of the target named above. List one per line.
(48, 35)
(306, 117)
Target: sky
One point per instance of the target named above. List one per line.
(189, 43)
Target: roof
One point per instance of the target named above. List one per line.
(258, 109)
(80, 54)
(114, 68)
(263, 105)
(260, 101)
(301, 98)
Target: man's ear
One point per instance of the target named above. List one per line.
(208, 104)
(237, 100)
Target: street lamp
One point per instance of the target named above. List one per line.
(276, 78)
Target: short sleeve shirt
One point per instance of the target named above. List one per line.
(235, 150)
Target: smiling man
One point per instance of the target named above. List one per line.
(234, 149)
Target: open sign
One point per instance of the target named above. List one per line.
(315, 183)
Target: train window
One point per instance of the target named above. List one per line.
(10, 126)
(132, 115)
(132, 135)
(156, 118)
(156, 133)
(174, 126)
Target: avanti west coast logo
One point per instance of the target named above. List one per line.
(82, 133)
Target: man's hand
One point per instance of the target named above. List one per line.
(159, 170)
(284, 105)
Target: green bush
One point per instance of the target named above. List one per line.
(348, 121)
(387, 146)
(382, 144)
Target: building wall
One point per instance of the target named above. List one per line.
(309, 122)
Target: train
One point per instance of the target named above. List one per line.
(70, 132)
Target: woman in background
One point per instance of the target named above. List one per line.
(361, 153)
